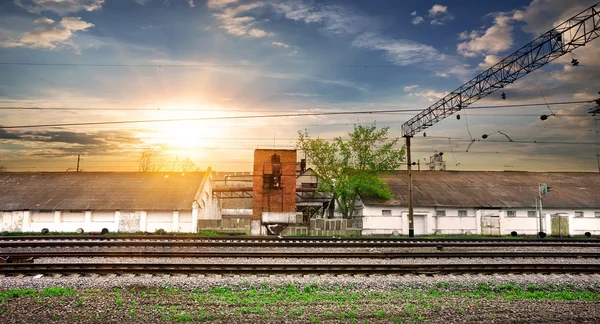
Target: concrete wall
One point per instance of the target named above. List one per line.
(127, 221)
(225, 226)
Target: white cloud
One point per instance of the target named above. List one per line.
(280, 44)
(61, 7)
(234, 21)
(219, 3)
(191, 3)
(541, 15)
(437, 10)
(399, 52)
(410, 88)
(489, 61)
(333, 19)
(440, 14)
(429, 95)
(50, 36)
(44, 20)
(417, 20)
(443, 75)
(299, 94)
(414, 13)
(494, 40)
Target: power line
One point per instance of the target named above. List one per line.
(231, 118)
(243, 110)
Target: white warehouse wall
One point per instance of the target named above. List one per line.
(374, 222)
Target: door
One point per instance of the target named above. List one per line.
(490, 225)
(560, 226)
(420, 224)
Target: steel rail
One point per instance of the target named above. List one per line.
(137, 268)
(278, 239)
(278, 244)
(311, 255)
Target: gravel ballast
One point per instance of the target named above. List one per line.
(338, 299)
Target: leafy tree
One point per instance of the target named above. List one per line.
(350, 168)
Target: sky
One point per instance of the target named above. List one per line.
(85, 61)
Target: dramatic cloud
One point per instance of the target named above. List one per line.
(49, 35)
(399, 52)
(236, 20)
(494, 40)
(61, 7)
(66, 143)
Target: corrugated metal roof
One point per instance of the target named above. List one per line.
(99, 190)
(483, 189)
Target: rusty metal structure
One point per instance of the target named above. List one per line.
(560, 40)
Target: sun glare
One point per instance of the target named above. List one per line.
(186, 136)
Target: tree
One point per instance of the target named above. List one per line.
(187, 165)
(147, 161)
(350, 168)
(178, 164)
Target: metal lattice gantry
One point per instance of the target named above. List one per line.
(564, 38)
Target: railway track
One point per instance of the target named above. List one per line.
(9, 256)
(285, 239)
(290, 243)
(278, 269)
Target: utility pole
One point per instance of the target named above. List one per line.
(411, 228)
(541, 211)
(78, 159)
(597, 142)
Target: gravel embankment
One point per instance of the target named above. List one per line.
(360, 281)
(341, 300)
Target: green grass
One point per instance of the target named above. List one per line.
(295, 302)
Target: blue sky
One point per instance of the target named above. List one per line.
(232, 57)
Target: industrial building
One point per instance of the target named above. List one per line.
(117, 201)
(280, 197)
(486, 203)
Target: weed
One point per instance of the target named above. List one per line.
(295, 313)
(379, 314)
(314, 319)
(58, 291)
(79, 303)
(55, 318)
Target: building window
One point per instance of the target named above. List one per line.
(440, 212)
(578, 214)
(531, 213)
(511, 213)
(462, 212)
(386, 212)
(597, 214)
